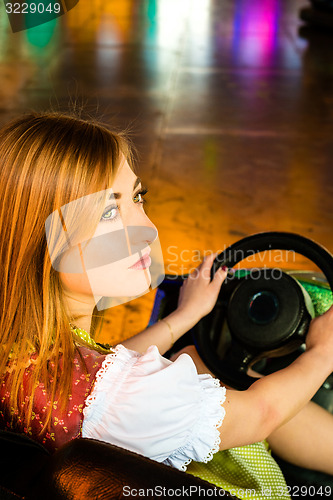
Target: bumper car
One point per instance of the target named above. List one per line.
(259, 321)
(86, 469)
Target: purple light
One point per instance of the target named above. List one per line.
(255, 30)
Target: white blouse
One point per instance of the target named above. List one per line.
(156, 407)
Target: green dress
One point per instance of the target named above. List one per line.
(246, 472)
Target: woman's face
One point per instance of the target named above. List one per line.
(122, 237)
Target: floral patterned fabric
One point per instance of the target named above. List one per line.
(63, 427)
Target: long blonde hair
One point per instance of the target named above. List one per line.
(46, 161)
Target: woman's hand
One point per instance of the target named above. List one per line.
(275, 399)
(198, 294)
(320, 335)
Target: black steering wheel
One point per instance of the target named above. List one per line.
(267, 311)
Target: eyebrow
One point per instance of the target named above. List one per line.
(117, 196)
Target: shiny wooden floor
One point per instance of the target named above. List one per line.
(229, 103)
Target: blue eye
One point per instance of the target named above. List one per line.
(106, 217)
(141, 201)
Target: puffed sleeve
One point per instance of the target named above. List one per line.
(150, 405)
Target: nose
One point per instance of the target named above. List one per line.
(141, 231)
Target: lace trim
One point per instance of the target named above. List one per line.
(184, 465)
(201, 417)
(108, 361)
(216, 446)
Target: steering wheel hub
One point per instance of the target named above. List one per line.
(264, 312)
(263, 308)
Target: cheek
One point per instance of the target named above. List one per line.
(76, 282)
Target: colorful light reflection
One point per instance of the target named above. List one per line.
(255, 31)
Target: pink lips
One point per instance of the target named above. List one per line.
(143, 262)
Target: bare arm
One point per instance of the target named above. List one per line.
(305, 440)
(271, 401)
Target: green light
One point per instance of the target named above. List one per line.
(40, 35)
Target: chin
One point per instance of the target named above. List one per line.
(138, 281)
(131, 284)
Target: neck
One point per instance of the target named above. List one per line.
(80, 308)
(84, 323)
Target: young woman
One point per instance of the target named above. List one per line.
(64, 248)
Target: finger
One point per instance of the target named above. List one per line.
(219, 278)
(206, 270)
(208, 260)
(229, 270)
(221, 273)
(204, 260)
(203, 269)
